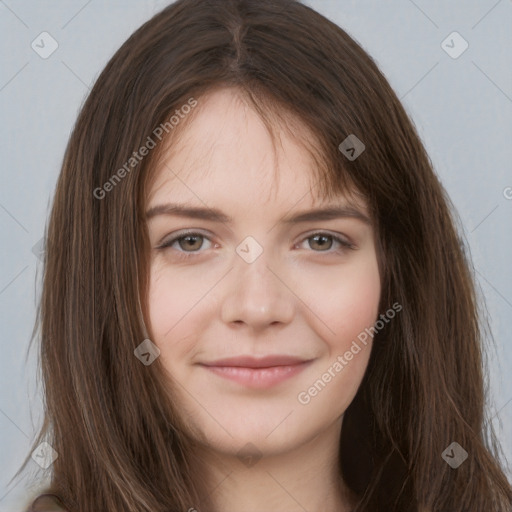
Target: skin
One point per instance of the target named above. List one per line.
(298, 297)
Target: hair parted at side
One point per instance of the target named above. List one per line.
(120, 442)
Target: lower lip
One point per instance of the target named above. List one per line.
(260, 378)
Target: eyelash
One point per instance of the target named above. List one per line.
(184, 255)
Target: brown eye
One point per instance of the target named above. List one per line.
(190, 242)
(186, 243)
(322, 242)
(328, 243)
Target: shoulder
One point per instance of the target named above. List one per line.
(47, 503)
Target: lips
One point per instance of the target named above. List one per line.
(260, 373)
(253, 362)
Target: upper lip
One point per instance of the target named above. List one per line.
(261, 362)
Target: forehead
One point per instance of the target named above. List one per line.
(226, 153)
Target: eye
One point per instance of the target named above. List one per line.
(324, 242)
(189, 242)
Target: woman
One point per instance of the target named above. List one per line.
(255, 296)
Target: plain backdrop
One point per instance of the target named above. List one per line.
(460, 102)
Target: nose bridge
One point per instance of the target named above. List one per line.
(255, 293)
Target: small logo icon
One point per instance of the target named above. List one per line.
(44, 45)
(454, 455)
(352, 147)
(249, 249)
(249, 455)
(454, 45)
(44, 455)
(38, 249)
(147, 352)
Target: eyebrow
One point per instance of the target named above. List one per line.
(216, 215)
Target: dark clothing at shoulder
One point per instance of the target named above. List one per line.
(47, 503)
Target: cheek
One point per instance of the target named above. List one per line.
(346, 311)
(176, 309)
(345, 302)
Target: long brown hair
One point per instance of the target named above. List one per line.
(121, 446)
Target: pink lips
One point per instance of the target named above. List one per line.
(258, 373)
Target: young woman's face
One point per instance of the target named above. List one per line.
(255, 314)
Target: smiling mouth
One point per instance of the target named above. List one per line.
(260, 373)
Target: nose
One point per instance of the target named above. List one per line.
(257, 295)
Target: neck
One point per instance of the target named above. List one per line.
(306, 478)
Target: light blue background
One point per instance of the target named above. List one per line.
(462, 108)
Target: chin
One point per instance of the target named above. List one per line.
(271, 430)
